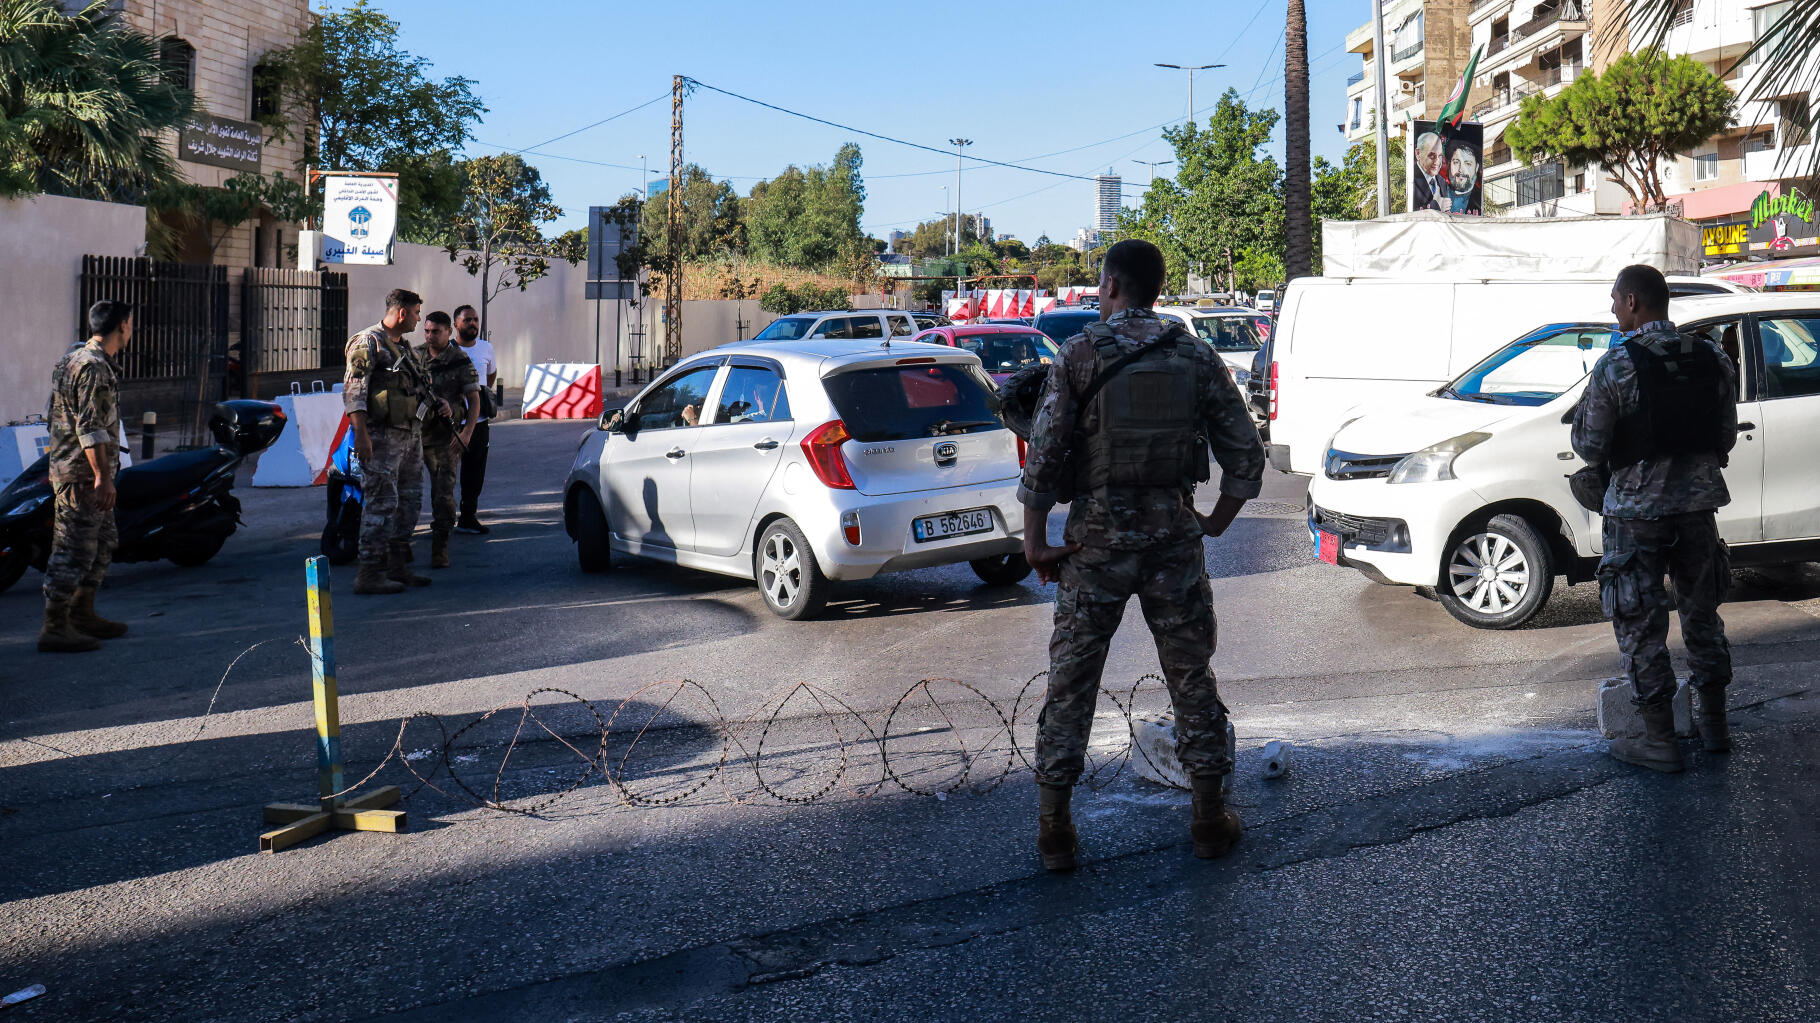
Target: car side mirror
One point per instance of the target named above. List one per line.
(611, 420)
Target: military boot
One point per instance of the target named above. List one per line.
(439, 550)
(372, 579)
(1656, 748)
(59, 637)
(398, 566)
(1055, 838)
(1715, 730)
(1216, 829)
(84, 619)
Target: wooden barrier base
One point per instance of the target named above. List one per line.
(303, 821)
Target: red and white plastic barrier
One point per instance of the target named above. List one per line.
(562, 390)
(301, 456)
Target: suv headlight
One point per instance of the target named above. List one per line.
(1435, 462)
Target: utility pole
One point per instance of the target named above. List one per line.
(1383, 112)
(1153, 165)
(959, 145)
(673, 228)
(1191, 71)
(947, 224)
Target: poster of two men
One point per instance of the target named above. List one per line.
(1444, 167)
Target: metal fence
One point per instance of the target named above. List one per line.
(180, 315)
(293, 320)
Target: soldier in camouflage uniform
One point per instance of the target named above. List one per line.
(387, 395)
(1659, 511)
(1129, 455)
(456, 385)
(84, 452)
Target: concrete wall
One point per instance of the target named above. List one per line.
(42, 242)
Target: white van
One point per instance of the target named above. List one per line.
(1344, 344)
(1465, 489)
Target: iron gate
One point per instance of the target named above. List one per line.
(180, 317)
(293, 320)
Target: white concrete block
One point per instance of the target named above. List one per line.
(1153, 751)
(1618, 715)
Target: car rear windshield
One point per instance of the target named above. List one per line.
(790, 328)
(1003, 352)
(1062, 326)
(1228, 333)
(907, 402)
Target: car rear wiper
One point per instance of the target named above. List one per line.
(943, 427)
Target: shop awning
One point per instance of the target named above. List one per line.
(1724, 201)
(1773, 273)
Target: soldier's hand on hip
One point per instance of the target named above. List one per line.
(104, 493)
(1047, 560)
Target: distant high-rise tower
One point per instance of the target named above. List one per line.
(1109, 198)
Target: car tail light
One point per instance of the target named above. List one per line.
(849, 527)
(822, 448)
(1023, 451)
(1273, 392)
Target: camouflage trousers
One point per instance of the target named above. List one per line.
(444, 466)
(391, 484)
(82, 545)
(1171, 586)
(1687, 552)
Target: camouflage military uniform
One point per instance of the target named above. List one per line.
(84, 413)
(1142, 541)
(454, 380)
(392, 480)
(1658, 522)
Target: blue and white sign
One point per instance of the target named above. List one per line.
(359, 219)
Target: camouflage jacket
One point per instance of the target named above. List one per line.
(84, 413)
(452, 378)
(1660, 485)
(360, 377)
(1136, 518)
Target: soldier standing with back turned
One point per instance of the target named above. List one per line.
(387, 394)
(84, 456)
(1124, 425)
(1660, 416)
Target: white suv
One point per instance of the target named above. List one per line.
(797, 463)
(1465, 489)
(841, 325)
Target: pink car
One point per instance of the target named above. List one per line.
(1003, 349)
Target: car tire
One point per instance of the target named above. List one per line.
(1001, 569)
(1524, 573)
(593, 537)
(788, 578)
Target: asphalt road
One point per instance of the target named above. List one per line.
(1450, 841)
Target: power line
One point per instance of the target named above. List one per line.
(596, 124)
(876, 135)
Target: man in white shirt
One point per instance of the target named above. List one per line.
(474, 460)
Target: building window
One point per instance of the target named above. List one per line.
(1358, 112)
(1763, 21)
(1579, 182)
(1794, 123)
(1706, 167)
(1540, 184)
(265, 93)
(1684, 14)
(177, 59)
(1762, 142)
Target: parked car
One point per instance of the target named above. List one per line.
(840, 325)
(1266, 301)
(924, 321)
(1063, 322)
(1002, 349)
(1230, 331)
(798, 464)
(1465, 488)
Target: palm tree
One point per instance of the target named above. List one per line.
(83, 101)
(1298, 253)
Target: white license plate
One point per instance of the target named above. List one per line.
(961, 523)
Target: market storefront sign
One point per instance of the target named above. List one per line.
(1781, 225)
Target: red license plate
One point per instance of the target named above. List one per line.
(1329, 547)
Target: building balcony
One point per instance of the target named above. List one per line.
(1355, 79)
(1412, 50)
(1486, 7)
(1780, 162)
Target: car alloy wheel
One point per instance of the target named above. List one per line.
(780, 570)
(788, 577)
(1498, 573)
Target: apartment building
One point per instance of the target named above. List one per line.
(1429, 43)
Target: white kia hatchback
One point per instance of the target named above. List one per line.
(798, 463)
(1465, 489)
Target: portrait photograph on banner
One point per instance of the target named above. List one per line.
(1445, 165)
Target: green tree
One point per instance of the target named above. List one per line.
(374, 107)
(217, 210)
(1645, 108)
(710, 220)
(495, 234)
(83, 100)
(808, 219)
(1012, 249)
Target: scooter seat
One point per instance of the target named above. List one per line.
(169, 476)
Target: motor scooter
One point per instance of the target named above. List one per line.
(341, 534)
(180, 506)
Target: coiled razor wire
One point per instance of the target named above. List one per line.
(986, 742)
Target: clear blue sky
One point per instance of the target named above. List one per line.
(1022, 81)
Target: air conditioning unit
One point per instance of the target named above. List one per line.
(1406, 87)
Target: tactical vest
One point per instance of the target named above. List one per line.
(397, 389)
(1146, 434)
(1684, 395)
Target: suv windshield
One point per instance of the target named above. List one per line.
(907, 402)
(790, 328)
(1228, 333)
(1061, 326)
(1534, 369)
(1006, 352)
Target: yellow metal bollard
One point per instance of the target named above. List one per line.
(361, 813)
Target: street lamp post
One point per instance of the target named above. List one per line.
(959, 145)
(947, 249)
(1191, 71)
(1153, 165)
